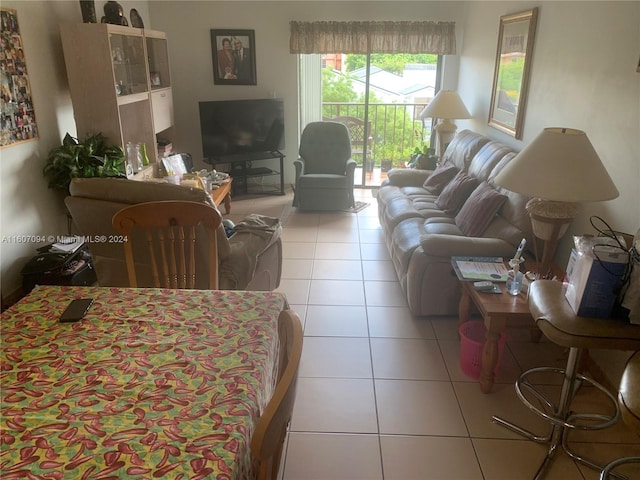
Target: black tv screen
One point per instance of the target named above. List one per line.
(231, 127)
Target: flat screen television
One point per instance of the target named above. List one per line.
(231, 127)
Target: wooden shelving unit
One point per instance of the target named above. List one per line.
(120, 83)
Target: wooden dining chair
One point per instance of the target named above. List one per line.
(170, 229)
(268, 439)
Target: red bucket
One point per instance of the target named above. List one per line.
(472, 337)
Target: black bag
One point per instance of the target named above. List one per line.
(59, 268)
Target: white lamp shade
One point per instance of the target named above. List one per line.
(560, 164)
(447, 104)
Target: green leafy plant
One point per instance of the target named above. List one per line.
(92, 157)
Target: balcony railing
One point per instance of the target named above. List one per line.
(393, 132)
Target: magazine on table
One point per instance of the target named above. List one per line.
(480, 268)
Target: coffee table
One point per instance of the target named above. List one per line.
(223, 195)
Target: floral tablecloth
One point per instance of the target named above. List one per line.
(151, 383)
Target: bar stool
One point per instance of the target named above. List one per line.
(629, 402)
(559, 323)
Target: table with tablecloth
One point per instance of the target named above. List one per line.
(150, 383)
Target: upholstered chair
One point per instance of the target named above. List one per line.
(324, 168)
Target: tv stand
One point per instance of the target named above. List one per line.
(241, 169)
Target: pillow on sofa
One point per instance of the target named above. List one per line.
(479, 209)
(456, 192)
(439, 178)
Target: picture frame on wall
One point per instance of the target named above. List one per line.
(234, 57)
(17, 114)
(512, 71)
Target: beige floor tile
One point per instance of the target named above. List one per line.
(429, 458)
(335, 235)
(375, 251)
(478, 408)
(418, 408)
(299, 268)
(371, 235)
(603, 453)
(337, 251)
(407, 359)
(398, 322)
(337, 270)
(332, 457)
(338, 221)
(340, 321)
(298, 250)
(299, 234)
(379, 270)
(519, 460)
(336, 292)
(296, 290)
(368, 222)
(446, 328)
(385, 294)
(339, 405)
(301, 219)
(337, 357)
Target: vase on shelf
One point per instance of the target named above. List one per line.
(88, 9)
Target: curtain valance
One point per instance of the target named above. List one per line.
(373, 37)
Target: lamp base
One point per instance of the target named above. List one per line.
(549, 221)
(445, 131)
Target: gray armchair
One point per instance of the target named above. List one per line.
(324, 168)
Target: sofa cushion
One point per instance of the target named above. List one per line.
(456, 192)
(479, 210)
(463, 148)
(440, 177)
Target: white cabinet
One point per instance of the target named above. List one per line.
(120, 83)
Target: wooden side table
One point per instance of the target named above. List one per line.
(223, 195)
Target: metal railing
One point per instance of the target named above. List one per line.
(395, 131)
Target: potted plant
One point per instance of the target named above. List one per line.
(424, 158)
(93, 157)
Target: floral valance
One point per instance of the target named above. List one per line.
(373, 37)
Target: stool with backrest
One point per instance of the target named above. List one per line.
(629, 402)
(558, 322)
(169, 229)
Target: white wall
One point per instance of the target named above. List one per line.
(27, 206)
(583, 76)
(188, 26)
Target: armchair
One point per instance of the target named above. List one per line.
(324, 168)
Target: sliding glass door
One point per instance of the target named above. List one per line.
(379, 98)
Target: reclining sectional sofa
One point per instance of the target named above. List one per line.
(456, 210)
(249, 260)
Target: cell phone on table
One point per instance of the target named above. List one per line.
(76, 310)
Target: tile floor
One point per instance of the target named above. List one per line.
(381, 394)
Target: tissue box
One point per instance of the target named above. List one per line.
(593, 282)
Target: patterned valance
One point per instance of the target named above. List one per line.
(373, 37)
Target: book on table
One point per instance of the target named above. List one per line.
(480, 268)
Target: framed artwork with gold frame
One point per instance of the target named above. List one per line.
(511, 76)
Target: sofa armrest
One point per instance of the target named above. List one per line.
(440, 245)
(407, 177)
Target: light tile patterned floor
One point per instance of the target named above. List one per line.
(381, 394)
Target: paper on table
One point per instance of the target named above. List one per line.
(470, 270)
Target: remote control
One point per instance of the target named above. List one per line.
(483, 286)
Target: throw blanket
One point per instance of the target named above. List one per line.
(254, 234)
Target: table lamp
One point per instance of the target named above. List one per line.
(557, 169)
(446, 106)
